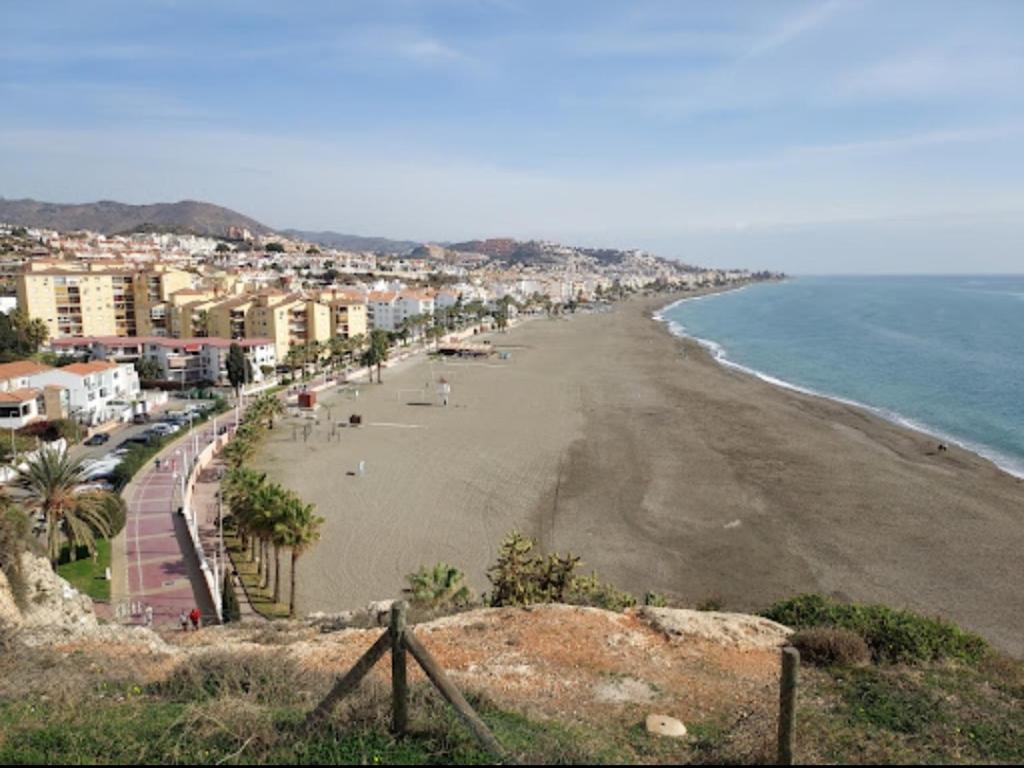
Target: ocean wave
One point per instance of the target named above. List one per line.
(1008, 464)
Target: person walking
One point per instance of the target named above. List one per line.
(194, 617)
(148, 613)
(183, 620)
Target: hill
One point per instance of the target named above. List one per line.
(110, 217)
(554, 684)
(345, 242)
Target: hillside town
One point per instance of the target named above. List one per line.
(172, 305)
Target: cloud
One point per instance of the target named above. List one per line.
(956, 70)
(794, 27)
(429, 51)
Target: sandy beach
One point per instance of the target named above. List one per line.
(606, 435)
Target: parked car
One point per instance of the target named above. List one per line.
(140, 418)
(100, 438)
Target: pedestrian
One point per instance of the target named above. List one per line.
(194, 618)
(183, 620)
(149, 615)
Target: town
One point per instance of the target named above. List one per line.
(165, 308)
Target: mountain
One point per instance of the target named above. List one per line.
(353, 242)
(111, 217)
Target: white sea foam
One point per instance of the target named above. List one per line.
(1008, 464)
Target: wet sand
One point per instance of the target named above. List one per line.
(608, 436)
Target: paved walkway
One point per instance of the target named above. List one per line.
(160, 568)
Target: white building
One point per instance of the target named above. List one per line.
(389, 309)
(188, 361)
(98, 391)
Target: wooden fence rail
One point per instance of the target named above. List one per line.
(399, 639)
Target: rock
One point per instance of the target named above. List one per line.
(49, 600)
(379, 611)
(736, 630)
(663, 725)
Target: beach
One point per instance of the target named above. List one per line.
(606, 435)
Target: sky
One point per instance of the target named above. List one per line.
(810, 136)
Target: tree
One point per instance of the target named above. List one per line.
(148, 369)
(237, 366)
(267, 406)
(302, 531)
(376, 353)
(51, 483)
(274, 248)
(222, 248)
(20, 335)
(442, 586)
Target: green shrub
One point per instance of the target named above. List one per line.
(895, 637)
(522, 577)
(591, 591)
(711, 604)
(655, 600)
(831, 647)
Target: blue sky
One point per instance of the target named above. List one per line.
(831, 136)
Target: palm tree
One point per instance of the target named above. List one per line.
(301, 532)
(440, 586)
(51, 482)
(267, 406)
(377, 351)
(241, 491)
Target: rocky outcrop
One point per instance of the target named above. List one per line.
(49, 601)
(737, 630)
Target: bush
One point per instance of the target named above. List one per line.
(830, 647)
(711, 604)
(521, 577)
(895, 637)
(265, 678)
(591, 591)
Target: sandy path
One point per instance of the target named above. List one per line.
(607, 436)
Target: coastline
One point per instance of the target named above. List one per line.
(1010, 465)
(609, 436)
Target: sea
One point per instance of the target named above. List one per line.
(943, 355)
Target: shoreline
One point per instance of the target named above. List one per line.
(1011, 466)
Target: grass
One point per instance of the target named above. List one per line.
(249, 706)
(936, 714)
(85, 574)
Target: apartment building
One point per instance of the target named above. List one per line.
(389, 309)
(98, 297)
(97, 392)
(153, 290)
(349, 316)
(189, 361)
(289, 320)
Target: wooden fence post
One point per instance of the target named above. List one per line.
(399, 681)
(351, 680)
(787, 704)
(454, 697)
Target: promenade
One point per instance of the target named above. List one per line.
(156, 565)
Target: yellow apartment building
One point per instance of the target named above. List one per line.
(348, 313)
(94, 299)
